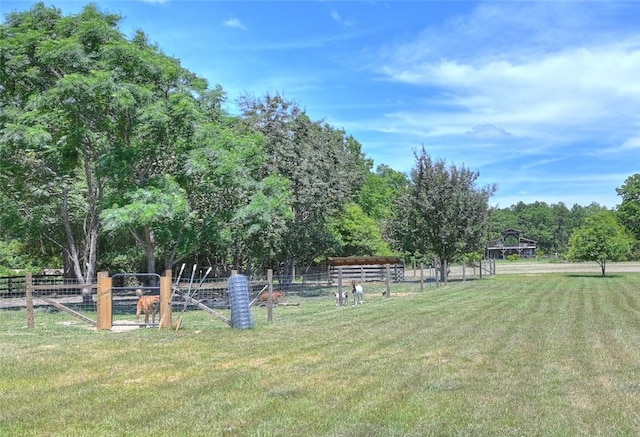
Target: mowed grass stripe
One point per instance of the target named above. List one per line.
(546, 354)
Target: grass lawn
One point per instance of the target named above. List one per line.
(549, 354)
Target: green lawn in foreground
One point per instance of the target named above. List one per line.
(550, 354)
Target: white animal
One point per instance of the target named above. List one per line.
(358, 294)
(345, 297)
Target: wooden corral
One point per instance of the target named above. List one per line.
(366, 269)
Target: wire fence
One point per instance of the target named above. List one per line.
(193, 293)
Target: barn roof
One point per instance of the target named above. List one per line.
(364, 260)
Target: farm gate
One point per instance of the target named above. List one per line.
(108, 294)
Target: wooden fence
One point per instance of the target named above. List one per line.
(367, 273)
(65, 296)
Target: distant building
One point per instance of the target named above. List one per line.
(511, 242)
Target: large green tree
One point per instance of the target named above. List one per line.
(162, 107)
(501, 219)
(324, 167)
(90, 119)
(629, 209)
(538, 221)
(56, 125)
(443, 212)
(154, 215)
(379, 193)
(357, 234)
(561, 227)
(242, 213)
(600, 239)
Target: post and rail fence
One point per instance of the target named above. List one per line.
(97, 303)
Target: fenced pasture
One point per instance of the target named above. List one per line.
(520, 354)
(110, 301)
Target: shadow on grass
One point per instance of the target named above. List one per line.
(593, 275)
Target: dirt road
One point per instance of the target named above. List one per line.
(587, 267)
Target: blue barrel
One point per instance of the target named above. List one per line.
(239, 296)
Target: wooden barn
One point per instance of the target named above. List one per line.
(511, 242)
(366, 268)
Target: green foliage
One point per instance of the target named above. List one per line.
(160, 202)
(513, 257)
(500, 220)
(357, 234)
(240, 211)
(13, 258)
(324, 166)
(549, 225)
(91, 119)
(472, 258)
(540, 223)
(263, 221)
(629, 209)
(379, 193)
(600, 239)
(443, 211)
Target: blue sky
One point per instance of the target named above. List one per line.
(541, 98)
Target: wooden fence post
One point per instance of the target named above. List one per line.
(430, 268)
(105, 301)
(165, 300)
(340, 285)
(28, 283)
(421, 277)
(270, 299)
(388, 281)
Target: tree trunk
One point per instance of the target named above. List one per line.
(288, 274)
(150, 254)
(443, 269)
(83, 270)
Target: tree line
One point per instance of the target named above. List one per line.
(115, 157)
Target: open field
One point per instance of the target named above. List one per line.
(504, 267)
(521, 354)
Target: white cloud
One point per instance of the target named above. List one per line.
(546, 73)
(629, 145)
(234, 23)
(539, 163)
(335, 16)
(488, 131)
(570, 87)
